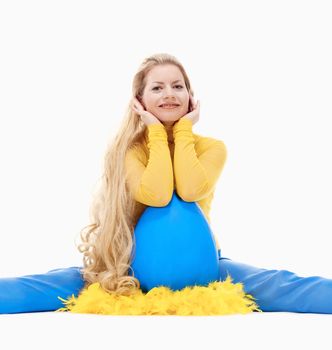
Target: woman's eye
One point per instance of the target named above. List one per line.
(158, 87)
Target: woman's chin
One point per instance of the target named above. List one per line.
(169, 118)
(168, 121)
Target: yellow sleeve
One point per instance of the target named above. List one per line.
(196, 175)
(151, 183)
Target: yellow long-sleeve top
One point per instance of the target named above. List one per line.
(191, 165)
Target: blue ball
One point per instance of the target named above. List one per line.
(174, 247)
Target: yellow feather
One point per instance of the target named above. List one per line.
(218, 298)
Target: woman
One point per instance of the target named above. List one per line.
(152, 154)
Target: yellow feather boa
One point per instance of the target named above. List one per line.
(218, 298)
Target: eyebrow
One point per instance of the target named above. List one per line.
(160, 82)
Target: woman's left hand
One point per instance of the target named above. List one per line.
(194, 114)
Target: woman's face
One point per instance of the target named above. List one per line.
(165, 85)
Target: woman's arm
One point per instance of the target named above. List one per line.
(151, 183)
(196, 173)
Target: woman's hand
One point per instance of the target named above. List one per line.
(147, 117)
(194, 114)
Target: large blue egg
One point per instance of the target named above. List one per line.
(174, 247)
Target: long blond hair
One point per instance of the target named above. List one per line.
(107, 243)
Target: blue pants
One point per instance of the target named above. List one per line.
(280, 290)
(273, 290)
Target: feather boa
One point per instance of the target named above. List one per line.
(218, 298)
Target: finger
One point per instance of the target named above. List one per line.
(135, 102)
(133, 105)
(136, 106)
(135, 109)
(138, 103)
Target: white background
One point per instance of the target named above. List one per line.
(262, 71)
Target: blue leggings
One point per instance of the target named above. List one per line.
(274, 290)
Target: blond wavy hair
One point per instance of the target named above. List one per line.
(107, 243)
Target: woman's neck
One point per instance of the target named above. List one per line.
(169, 130)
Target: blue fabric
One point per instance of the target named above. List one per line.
(39, 292)
(280, 290)
(274, 290)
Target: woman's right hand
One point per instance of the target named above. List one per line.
(147, 117)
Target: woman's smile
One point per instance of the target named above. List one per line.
(169, 106)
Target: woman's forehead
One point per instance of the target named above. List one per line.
(164, 74)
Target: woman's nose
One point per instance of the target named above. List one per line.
(168, 91)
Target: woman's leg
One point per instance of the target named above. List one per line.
(40, 292)
(280, 290)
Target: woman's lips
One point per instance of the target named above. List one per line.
(169, 107)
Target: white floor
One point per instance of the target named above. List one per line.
(275, 330)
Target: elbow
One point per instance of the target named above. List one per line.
(163, 202)
(165, 199)
(191, 195)
(157, 198)
(159, 202)
(186, 196)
